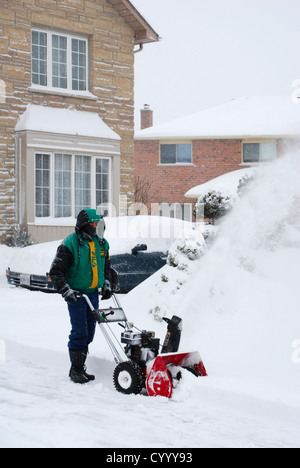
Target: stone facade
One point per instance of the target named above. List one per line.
(111, 79)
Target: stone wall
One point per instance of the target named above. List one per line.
(111, 79)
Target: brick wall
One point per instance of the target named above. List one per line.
(111, 43)
(211, 158)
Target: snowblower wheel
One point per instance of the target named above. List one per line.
(128, 378)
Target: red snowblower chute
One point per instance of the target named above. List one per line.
(144, 367)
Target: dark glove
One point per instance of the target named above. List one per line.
(106, 291)
(68, 294)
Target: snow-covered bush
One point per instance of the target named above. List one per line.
(190, 247)
(245, 183)
(20, 237)
(216, 204)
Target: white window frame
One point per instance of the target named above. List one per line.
(93, 159)
(69, 38)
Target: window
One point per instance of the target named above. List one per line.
(59, 61)
(62, 185)
(79, 54)
(102, 183)
(39, 58)
(82, 182)
(42, 185)
(176, 153)
(65, 184)
(259, 152)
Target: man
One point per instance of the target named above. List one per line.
(82, 264)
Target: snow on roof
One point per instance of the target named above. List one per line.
(65, 121)
(227, 183)
(259, 116)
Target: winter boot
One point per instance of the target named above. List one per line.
(77, 371)
(89, 376)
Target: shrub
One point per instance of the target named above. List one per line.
(216, 204)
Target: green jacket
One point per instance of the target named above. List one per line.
(87, 271)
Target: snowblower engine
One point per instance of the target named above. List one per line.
(142, 347)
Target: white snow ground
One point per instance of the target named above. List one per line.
(240, 306)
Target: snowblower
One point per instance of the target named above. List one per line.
(144, 367)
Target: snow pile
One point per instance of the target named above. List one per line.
(191, 246)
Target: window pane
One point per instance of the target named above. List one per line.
(42, 185)
(267, 151)
(184, 153)
(39, 58)
(250, 152)
(168, 154)
(82, 183)
(79, 65)
(102, 184)
(62, 185)
(59, 61)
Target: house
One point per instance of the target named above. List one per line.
(175, 156)
(66, 110)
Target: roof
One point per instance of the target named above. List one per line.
(144, 33)
(245, 117)
(64, 121)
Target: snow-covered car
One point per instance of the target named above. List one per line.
(138, 246)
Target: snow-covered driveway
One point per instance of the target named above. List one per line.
(39, 407)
